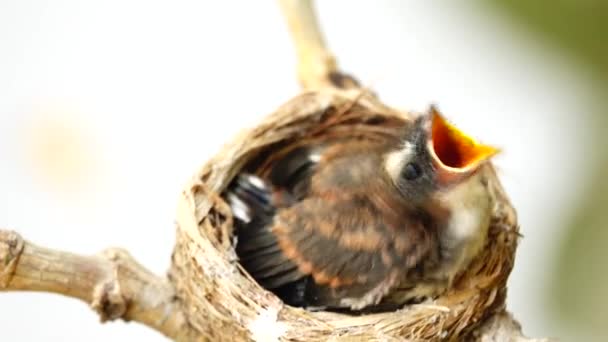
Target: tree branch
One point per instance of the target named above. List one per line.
(502, 327)
(316, 64)
(112, 282)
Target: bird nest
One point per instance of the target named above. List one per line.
(223, 302)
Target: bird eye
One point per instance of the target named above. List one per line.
(411, 171)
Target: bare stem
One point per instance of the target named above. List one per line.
(502, 327)
(315, 62)
(112, 282)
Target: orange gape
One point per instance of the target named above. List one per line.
(365, 225)
(454, 148)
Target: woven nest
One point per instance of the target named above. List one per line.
(224, 303)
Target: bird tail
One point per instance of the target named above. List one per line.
(249, 196)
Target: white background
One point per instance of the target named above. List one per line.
(108, 107)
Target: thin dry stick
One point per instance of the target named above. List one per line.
(112, 282)
(316, 63)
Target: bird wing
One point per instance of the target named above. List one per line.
(259, 253)
(347, 246)
(254, 204)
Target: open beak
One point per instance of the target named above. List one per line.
(455, 154)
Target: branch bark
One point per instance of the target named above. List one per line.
(112, 283)
(317, 66)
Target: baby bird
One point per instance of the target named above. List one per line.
(366, 225)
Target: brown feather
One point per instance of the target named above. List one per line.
(346, 231)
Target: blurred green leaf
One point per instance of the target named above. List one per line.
(580, 27)
(578, 293)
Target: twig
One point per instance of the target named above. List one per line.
(316, 64)
(112, 282)
(502, 327)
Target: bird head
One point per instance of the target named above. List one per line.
(434, 156)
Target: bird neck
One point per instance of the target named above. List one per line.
(463, 231)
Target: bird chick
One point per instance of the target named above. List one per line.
(366, 225)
